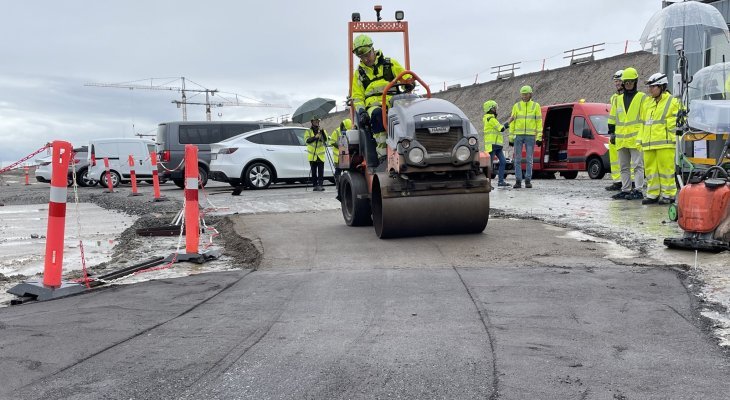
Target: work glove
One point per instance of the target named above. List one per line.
(512, 144)
(408, 87)
(613, 139)
(364, 118)
(506, 125)
(538, 143)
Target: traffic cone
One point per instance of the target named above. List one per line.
(133, 177)
(156, 178)
(52, 287)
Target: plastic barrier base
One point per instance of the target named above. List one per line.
(43, 293)
(198, 258)
(136, 194)
(162, 198)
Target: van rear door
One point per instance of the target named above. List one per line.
(581, 140)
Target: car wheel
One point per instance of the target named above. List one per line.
(569, 174)
(116, 179)
(179, 183)
(202, 176)
(595, 169)
(258, 175)
(86, 180)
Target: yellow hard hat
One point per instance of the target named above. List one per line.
(525, 89)
(488, 105)
(629, 74)
(362, 45)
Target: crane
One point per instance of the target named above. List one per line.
(184, 98)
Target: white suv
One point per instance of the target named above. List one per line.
(43, 170)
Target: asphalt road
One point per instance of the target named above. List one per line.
(334, 312)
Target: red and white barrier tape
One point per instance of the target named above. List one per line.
(22, 160)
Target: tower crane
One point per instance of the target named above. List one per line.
(184, 98)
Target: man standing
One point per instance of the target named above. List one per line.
(612, 153)
(493, 139)
(526, 130)
(658, 140)
(371, 77)
(624, 124)
(334, 142)
(316, 139)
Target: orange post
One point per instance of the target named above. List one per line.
(155, 177)
(109, 184)
(192, 228)
(56, 214)
(133, 176)
(27, 181)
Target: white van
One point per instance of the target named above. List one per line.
(118, 150)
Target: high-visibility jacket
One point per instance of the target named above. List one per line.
(527, 120)
(660, 122)
(368, 83)
(316, 148)
(334, 140)
(628, 123)
(492, 132)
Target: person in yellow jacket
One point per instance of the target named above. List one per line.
(316, 140)
(612, 152)
(493, 139)
(334, 142)
(658, 141)
(369, 80)
(624, 125)
(526, 130)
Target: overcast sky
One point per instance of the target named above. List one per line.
(275, 51)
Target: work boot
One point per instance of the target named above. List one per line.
(503, 184)
(620, 195)
(649, 200)
(237, 191)
(321, 188)
(528, 184)
(634, 195)
(666, 200)
(614, 186)
(517, 185)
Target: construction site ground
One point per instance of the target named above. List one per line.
(567, 294)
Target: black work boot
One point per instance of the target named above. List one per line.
(518, 184)
(528, 184)
(614, 186)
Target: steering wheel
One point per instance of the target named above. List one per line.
(401, 87)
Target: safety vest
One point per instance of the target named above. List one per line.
(334, 142)
(368, 83)
(527, 120)
(660, 122)
(492, 132)
(628, 124)
(315, 149)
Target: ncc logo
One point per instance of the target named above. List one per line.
(442, 117)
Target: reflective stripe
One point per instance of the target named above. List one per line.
(653, 187)
(626, 135)
(666, 176)
(658, 143)
(526, 117)
(651, 176)
(191, 183)
(58, 194)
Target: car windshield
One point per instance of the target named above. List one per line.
(600, 122)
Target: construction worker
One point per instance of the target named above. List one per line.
(612, 153)
(371, 77)
(527, 131)
(658, 141)
(493, 139)
(624, 125)
(316, 139)
(334, 142)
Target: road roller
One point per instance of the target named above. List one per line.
(432, 180)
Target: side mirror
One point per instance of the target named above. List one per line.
(587, 134)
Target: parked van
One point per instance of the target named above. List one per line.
(118, 150)
(173, 136)
(575, 138)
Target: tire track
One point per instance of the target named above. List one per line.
(138, 334)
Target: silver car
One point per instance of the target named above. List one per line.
(43, 170)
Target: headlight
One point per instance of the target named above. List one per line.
(405, 143)
(472, 141)
(606, 144)
(415, 155)
(463, 153)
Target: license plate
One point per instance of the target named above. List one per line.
(214, 156)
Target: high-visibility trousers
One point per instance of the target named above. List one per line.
(659, 169)
(615, 167)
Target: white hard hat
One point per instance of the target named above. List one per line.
(657, 79)
(618, 74)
